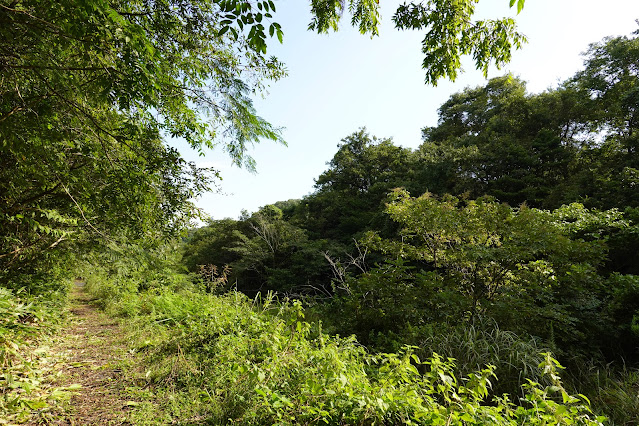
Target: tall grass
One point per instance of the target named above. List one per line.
(482, 342)
(230, 360)
(612, 389)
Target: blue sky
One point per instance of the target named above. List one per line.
(340, 82)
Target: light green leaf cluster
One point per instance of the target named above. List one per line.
(577, 220)
(244, 13)
(328, 13)
(520, 4)
(450, 31)
(457, 260)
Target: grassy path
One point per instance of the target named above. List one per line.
(95, 355)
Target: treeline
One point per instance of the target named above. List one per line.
(513, 227)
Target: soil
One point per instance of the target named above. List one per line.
(93, 353)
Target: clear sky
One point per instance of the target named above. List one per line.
(340, 82)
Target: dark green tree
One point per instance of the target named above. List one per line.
(499, 140)
(212, 244)
(535, 272)
(349, 194)
(608, 175)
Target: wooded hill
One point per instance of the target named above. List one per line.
(459, 274)
(540, 240)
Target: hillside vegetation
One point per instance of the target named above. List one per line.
(490, 276)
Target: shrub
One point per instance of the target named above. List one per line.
(234, 360)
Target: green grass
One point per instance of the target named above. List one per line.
(26, 323)
(229, 360)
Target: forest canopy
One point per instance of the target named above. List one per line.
(92, 91)
(513, 199)
(512, 229)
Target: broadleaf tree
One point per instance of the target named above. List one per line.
(91, 90)
(90, 93)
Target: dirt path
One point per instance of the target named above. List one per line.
(94, 355)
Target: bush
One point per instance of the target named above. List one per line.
(234, 360)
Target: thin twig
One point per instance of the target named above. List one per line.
(82, 213)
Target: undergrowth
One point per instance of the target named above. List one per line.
(26, 322)
(614, 391)
(231, 360)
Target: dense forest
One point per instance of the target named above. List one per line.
(490, 276)
(511, 230)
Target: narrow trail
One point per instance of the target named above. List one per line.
(94, 354)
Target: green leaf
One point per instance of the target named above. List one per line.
(35, 405)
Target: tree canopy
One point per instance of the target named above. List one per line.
(92, 90)
(450, 30)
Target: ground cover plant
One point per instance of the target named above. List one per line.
(232, 360)
(26, 326)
